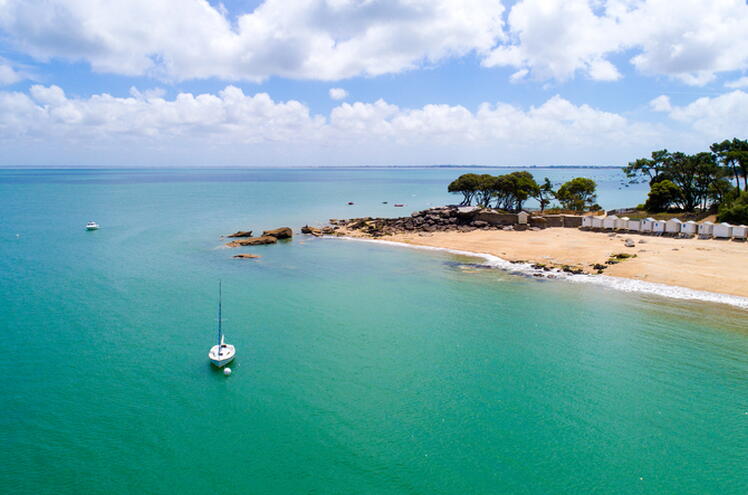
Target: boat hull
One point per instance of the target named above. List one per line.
(227, 354)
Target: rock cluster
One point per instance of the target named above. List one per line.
(447, 218)
(267, 237)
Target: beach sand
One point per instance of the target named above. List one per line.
(707, 265)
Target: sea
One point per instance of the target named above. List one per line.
(361, 368)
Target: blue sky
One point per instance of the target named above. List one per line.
(88, 82)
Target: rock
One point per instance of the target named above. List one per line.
(479, 224)
(629, 243)
(253, 241)
(241, 233)
(281, 233)
(247, 256)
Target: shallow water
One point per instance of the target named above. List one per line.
(361, 367)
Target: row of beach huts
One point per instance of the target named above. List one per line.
(674, 227)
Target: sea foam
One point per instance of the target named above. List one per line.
(616, 283)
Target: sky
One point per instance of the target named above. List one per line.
(368, 82)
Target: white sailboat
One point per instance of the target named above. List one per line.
(222, 354)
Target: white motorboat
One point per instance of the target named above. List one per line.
(222, 354)
(92, 225)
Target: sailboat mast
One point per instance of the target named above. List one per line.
(220, 330)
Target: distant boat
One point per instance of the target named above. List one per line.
(399, 205)
(221, 354)
(384, 202)
(350, 203)
(92, 225)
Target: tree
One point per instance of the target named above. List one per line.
(648, 168)
(735, 211)
(544, 194)
(486, 189)
(577, 194)
(467, 185)
(661, 196)
(734, 157)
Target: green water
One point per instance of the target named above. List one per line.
(361, 368)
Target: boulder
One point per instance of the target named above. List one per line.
(281, 233)
(253, 241)
(247, 256)
(241, 233)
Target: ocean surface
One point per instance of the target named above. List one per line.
(361, 367)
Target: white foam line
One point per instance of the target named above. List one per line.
(617, 283)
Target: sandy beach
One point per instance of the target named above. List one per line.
(707, 265)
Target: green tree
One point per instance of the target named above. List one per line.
(650, 169)
(486, 189)
(545, 193)
(735, 211)
(577, 194)
(734, 157)
(467, 185)
(662, 195)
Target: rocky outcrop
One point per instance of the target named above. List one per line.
(253, 241)
(281, 233)
(247, 256)
(241, 233)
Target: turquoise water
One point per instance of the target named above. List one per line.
(361, 368)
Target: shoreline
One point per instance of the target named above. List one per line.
(622, 279)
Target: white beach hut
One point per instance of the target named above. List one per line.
(658, 226)
(722, 230)
(634, 225)
(673, 226)
(647, 224)
(740, 232)
(609, 222)
(689, 228)
(622, 223)
(522, 217)
(587, 222)
(597, 222)
(705, 229)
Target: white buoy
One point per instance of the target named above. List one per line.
(227, 371)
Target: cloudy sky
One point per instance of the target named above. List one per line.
(368, 82)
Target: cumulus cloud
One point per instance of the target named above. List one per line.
(719, 117)
(738, 83)
(315, 39)
(260, 130)
(556, 39)
(8, 74)
(338, 93)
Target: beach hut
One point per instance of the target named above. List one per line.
(705, 229)
(673, 226)
(610, 222)
(634, 225)
(622, 223)
(647, 224)
(689, 228)
(740, 232)
(597, 222)
(522, 217)
(722, 230)
(658, 227)
(587, 222)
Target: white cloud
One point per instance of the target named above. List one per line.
(315, 39)
(661, 104)
(738, 83)
(721, 117)
(232, 127)
(691, 40)
(8, 74)
(338, 93)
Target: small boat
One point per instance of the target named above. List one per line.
(399, 205)
(92, 225)
(222, 354)
(350, 203)
(384, 202)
